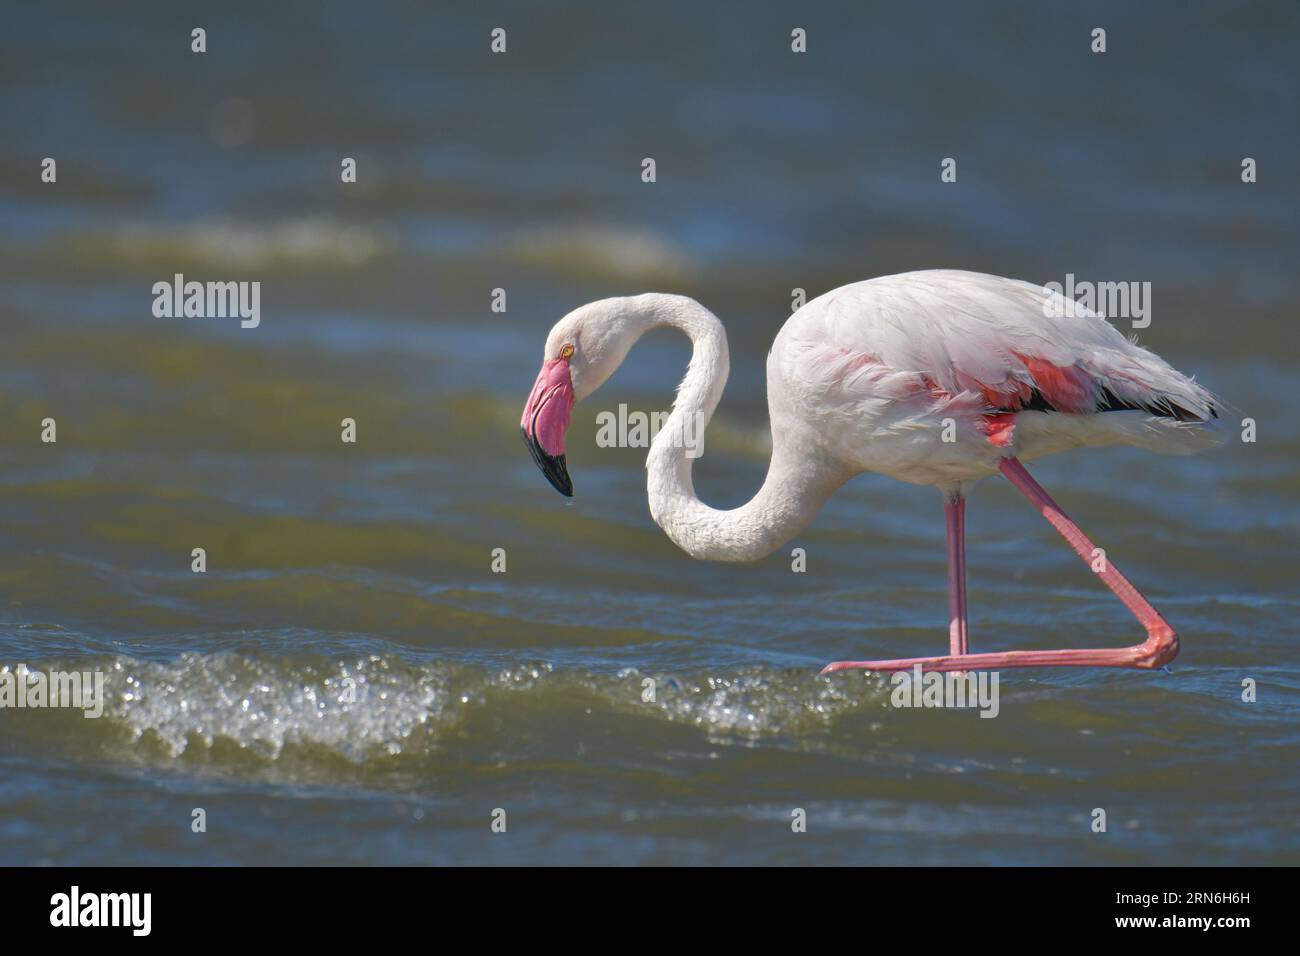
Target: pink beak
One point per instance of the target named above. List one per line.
(546, 418)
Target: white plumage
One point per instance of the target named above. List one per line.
(935, 378)
(885, 362)
(930, 377)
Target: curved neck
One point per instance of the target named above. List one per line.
(798, 479)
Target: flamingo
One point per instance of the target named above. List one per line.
(936, 377)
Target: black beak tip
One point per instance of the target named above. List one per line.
(552, 466)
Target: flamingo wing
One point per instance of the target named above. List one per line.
(1007, 345)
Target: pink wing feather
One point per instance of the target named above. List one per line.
(1008, 345)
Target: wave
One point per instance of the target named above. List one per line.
(229, 244)
(237, 708)
(610, 251)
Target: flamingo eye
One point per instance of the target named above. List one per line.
(566, 352)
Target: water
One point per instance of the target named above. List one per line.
(350, 682)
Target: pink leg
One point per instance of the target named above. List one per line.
(1160, 647)
(955, 512)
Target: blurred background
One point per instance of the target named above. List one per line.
(334, 565)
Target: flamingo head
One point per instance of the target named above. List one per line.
(583, 349)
